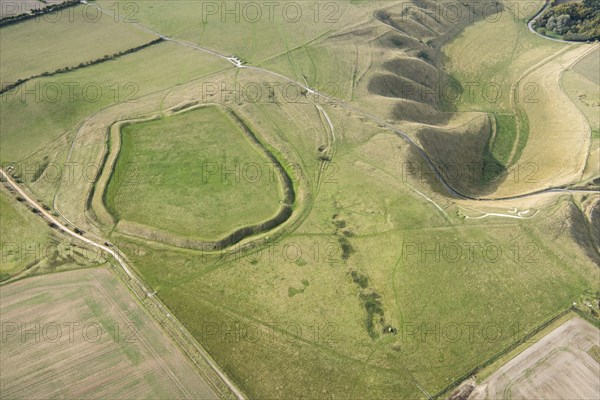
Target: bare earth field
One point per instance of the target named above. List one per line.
(80, 334)
(559, 366)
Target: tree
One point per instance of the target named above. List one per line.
(562, 23)
(593, 5)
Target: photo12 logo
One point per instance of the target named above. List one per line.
(463, 253)
(309, 253)
(45, 91)
(266, 172)
(67, 331)
(267, 92)
(67, 172)
(32, 252)
(315, 12)
(67, 11)
(458, 331)
(461, 12)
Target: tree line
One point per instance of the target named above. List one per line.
(577, 21)
(36, 12)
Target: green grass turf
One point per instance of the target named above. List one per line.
(195, 174)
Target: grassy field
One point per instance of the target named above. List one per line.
(88, 338)
(362, 293)
(580, 83)
(119, 81)
(40, 45)
(20, 227)
(556, 144)
(254, 305)
(251, 32)
(28, 246)
(190, 182)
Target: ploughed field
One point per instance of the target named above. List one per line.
(81, 334)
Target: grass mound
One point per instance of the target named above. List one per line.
(413, 111)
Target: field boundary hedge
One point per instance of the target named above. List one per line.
(37, 12)
(84, 64)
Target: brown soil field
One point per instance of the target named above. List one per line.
(80, 334)
(559, 366)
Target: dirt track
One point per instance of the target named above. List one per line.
(559, 366)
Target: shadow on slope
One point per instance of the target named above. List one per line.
(461, 157)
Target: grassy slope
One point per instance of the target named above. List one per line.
(42, 45)
(21, 230)
(180, 194)
(490, 64)
(505, 137)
